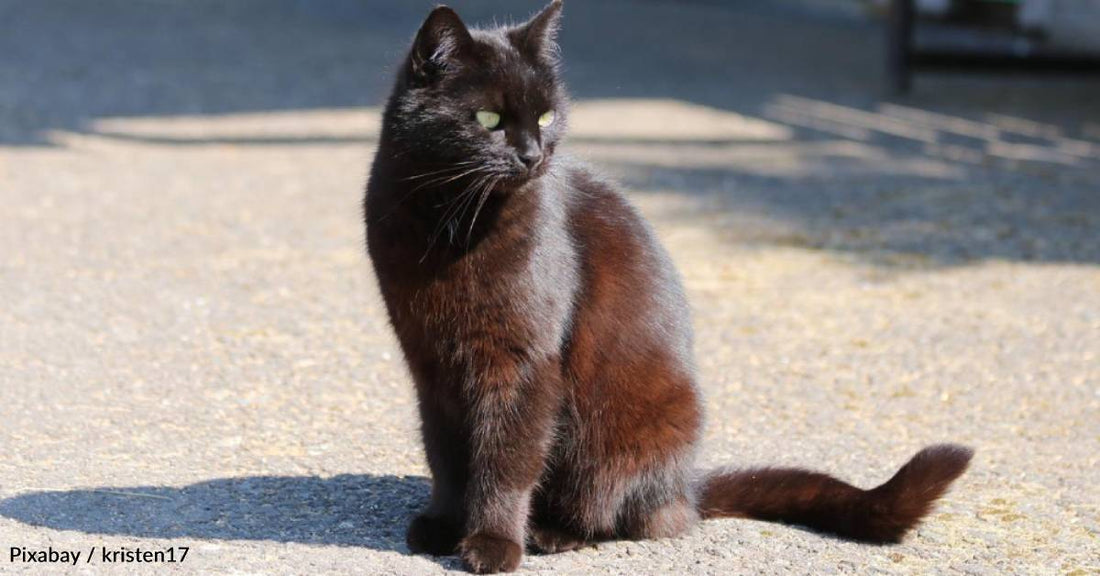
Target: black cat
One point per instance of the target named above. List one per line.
(547, 331)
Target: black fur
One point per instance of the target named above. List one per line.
(547, 331)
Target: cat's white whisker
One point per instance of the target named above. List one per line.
(456, 166)
(442, 180)
(484, 196)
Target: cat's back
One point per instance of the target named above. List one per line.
(610, 229)
(626, 274)
(631, 340)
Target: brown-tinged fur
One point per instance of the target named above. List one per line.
(881, 515)
(547, 331)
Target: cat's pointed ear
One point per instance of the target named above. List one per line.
(441, 41)
(538, 36)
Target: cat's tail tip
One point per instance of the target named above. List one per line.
(882, 515)
(937, 465)
(909, 495)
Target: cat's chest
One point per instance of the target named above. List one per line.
(518, 297)
(516, 282)
(522, 284)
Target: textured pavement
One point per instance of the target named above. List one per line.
(193, 352)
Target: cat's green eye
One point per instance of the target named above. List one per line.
(547, 119)
(487, 119)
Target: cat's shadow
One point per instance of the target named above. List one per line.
(347, 510)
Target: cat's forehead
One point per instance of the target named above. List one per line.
(494, 44)
(500, 59)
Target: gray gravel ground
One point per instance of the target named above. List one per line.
(193, 353)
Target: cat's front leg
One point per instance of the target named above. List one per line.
(512, 412)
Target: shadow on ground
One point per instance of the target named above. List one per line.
(347, 510)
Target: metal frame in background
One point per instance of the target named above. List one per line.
(904, 57)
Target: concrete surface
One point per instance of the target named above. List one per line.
(193, 353)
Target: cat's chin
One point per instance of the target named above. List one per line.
(519, 182)
(513, 185)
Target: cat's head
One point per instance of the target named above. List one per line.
(481, 105)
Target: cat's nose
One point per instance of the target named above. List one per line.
(530, 158)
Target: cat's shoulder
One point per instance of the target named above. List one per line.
(585, 186)
(592, 193)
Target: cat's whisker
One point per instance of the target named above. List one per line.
(459, 205)
(444, 221)
(442, 180)
(404, 197)
(484, 196)
(467, 195)
(483, 185)
(456, 166)
(461, 195)
(460, 210)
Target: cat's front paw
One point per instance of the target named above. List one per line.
(485, 554)
(433, 535)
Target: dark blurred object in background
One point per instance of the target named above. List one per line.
(1060, 36)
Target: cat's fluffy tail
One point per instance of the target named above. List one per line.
(881, 515)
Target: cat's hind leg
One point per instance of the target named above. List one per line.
(660, 504)
(667, 520)
(552, 538)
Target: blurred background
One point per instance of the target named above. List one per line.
(887, 217)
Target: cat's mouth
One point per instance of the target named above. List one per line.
(519, 178)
